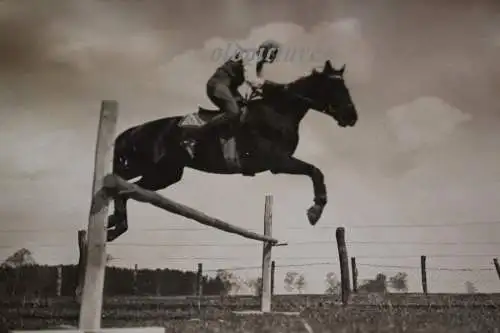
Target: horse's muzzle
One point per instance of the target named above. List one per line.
(348, 116)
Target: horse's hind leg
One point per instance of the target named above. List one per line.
(153, 181)
(126, 166)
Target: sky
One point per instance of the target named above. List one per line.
(423, 75)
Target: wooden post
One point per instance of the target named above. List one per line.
(199, 280)
(344, 264)
(354, 275)
(93, 287)
(135, 289)
(497, 266)
(273, 271)
(199, 285)
(424, 273)
(158, 281)
(82, 259)
(265, 305)
(59, 281)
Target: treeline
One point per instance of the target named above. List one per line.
(38, 280)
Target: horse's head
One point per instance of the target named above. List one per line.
(330, 95)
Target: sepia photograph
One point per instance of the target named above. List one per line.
(250, 166)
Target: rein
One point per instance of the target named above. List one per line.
(308, 101)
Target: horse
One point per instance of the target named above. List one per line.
(264, 140)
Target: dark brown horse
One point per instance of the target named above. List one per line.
(265, 140)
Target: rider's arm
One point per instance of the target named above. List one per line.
(274, 87)
(250, 71)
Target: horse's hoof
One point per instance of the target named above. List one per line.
(113, 221)
(111, 235)
(314, 214)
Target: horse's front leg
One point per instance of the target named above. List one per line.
(293, 166)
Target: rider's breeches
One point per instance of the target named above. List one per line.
(221, 95)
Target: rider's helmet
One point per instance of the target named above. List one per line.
(268, 51)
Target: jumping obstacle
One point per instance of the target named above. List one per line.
(107, 185)
(114, 183)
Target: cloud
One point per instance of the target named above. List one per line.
(424, 122)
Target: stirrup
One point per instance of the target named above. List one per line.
(189, 146)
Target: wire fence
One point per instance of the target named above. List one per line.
(366, 260)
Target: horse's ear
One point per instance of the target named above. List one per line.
(342, 70)
(328, 69)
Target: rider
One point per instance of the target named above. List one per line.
(222, 89)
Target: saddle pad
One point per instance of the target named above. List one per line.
(192, 120)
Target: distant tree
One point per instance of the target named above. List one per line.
(289, 281)
(470, 287)
(377, 285)
(399, 281)
(255, 286)
(332, 284)
(300, 283)
(22, 257)
(230, 281)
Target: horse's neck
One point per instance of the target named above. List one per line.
(290, 102)
(287, 107)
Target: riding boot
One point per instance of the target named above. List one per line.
(190, 135)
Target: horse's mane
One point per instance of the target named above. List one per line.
(297, 83)
(303, 78)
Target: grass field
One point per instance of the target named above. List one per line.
(318, 313)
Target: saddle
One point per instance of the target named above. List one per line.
(203, 115)
(233, 149)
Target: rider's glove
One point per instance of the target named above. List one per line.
(256, 83)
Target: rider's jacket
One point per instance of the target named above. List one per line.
(233, 73)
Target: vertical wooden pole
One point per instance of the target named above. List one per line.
(199, 285)
(265, 305)
(273, 271)
(93, 287)
(423, 270)
(497, 266)
(344, 264)
(135, 289)
(354, 275)
(158, 281)
(199, 280)
(59, 281)
(82, 260)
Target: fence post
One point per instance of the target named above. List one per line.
(199, 285)
(158, 281)
(95, 266)
(265, 301)
(354, 275)
(82, 259)
(273, 271)
(344, 264)
(59, 280)
(424, 273)
(135, 289)
(497, 266)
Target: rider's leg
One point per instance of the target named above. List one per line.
(221, 96)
